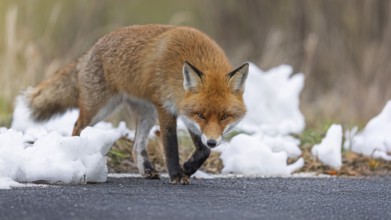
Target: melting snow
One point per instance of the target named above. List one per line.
(375, 139)
(45, 152)
(272, 99)
(329, 150)
(250, 155)
(54, 158)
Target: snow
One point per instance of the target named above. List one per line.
(54, 158)
(329, 150)
(272, 99)
(45, 152)
(283, 143)
(249, 155)
(8, 183)
(375, 139)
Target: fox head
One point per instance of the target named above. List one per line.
(213, 102)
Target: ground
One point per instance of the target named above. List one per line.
(229, 198)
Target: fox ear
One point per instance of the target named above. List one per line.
(192, 77)
(237, 78)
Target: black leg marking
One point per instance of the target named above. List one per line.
(198, 158)
(170, 143)
(172, 157)
(149, 170)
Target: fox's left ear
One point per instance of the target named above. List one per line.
(237, 78)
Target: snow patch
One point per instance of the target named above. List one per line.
(202, 175)
(249, 155)
(22, 121)
(375, 139)
(329, 150)
(272, 99)
(45, 152)
(8, 183)
(54, 158)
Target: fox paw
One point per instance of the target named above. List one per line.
(183, 180)
(151, 174)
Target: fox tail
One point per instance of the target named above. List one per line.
(54, 95)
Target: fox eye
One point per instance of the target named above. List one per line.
(224, 117)
(201, 116)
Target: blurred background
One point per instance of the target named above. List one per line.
(342, 47)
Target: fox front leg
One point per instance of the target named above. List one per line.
(199, 156)
(170, 144)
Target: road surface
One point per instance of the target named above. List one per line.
(227, 198)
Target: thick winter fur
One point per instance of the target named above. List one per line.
(161, 72)
(55, 95)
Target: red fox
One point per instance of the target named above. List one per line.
(161, 72)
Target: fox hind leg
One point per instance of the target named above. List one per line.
(96, 100)
(96, 111)
(145, 117)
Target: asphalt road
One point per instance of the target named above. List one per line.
(239, 198)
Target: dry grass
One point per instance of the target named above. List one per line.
(120, 158)
(353, 164)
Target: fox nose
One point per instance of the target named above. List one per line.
(211, 143)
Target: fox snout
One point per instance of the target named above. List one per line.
(211, 136)
(211, 141)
